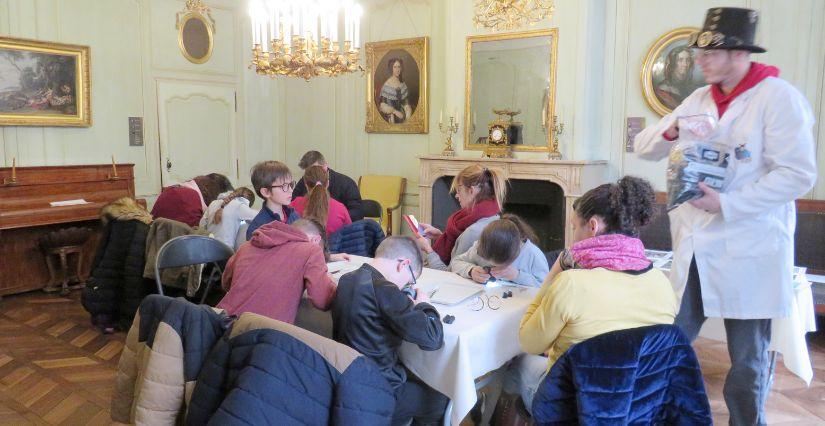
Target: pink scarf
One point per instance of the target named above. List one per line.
(615, 252)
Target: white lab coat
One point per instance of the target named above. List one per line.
(745, 253)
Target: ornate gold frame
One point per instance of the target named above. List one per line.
(419, 48)
(83, 84)
(553, 33)
(647, 66)
(183, 18)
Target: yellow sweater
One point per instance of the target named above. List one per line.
(583, 303)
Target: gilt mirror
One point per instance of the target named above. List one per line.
(196, 30)
(511, 77)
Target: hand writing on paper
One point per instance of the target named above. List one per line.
(336, 257)
(421, 295)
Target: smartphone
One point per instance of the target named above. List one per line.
(415, 227)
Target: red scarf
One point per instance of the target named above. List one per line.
(615, 252)
(755, 75)
(458, 222)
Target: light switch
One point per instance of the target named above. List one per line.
(135, 131)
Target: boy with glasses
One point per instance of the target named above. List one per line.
(374, 316)
(272, 180)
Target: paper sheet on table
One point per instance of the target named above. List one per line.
(68, 203)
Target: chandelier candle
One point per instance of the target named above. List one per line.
(300, 38)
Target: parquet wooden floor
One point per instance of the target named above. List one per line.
(55, 368)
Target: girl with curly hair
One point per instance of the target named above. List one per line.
(603, 283)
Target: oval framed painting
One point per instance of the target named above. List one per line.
(669, 73)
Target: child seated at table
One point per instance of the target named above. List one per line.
(609, 285)
(374, 316)
(268, 275)
(506, 251)
(273, 182)
(318, 204)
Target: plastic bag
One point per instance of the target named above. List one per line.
(695, 158)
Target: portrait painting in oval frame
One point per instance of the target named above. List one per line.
(669, 72)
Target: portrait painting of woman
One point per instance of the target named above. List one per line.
(397, 86)
(670, 73)
(679, 79)
(393, 100)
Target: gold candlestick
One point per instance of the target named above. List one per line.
(557, 130)
(13, 180)
(448, 130)
(114, 175)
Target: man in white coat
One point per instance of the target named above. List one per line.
(733, 250)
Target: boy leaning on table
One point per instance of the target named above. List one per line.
(374, 316)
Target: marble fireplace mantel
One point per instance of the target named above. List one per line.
(573, 177)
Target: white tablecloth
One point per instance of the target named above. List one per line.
(788, 334)
(476, 343)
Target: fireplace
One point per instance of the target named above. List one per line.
(540, 203)
(540, 191)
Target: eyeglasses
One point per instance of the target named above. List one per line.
(286, 187)
(492, 302)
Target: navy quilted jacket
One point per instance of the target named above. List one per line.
(266, 372)
(646, 375)
(360, 238)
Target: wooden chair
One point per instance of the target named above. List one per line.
(388, 191)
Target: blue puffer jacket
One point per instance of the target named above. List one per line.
(646, 375)
(266, 372)
(360, 238)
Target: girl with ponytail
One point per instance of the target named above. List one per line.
(480, 193)
(318, 204)
(506, 251)
(224, 216)
(603, 283)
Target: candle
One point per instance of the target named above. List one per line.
(356, 25)
(441, 116)
(13, 169)
(114, 168)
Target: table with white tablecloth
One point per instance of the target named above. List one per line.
(476, 343)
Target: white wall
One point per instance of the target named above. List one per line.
(133, 47)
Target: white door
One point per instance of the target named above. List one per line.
(197, 130)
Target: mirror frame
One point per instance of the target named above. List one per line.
(182, 20)
(553, 33)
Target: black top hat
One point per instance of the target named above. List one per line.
(729, 28)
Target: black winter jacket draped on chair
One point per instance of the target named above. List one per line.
(116, 286)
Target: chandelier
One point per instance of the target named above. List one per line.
(300, 38)
(510, 14)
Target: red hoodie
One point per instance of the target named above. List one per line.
(268, 275)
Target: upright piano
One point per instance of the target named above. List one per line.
(26, 214)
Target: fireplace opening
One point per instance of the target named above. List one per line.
(540, 203)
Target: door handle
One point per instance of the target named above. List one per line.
(168, 164)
